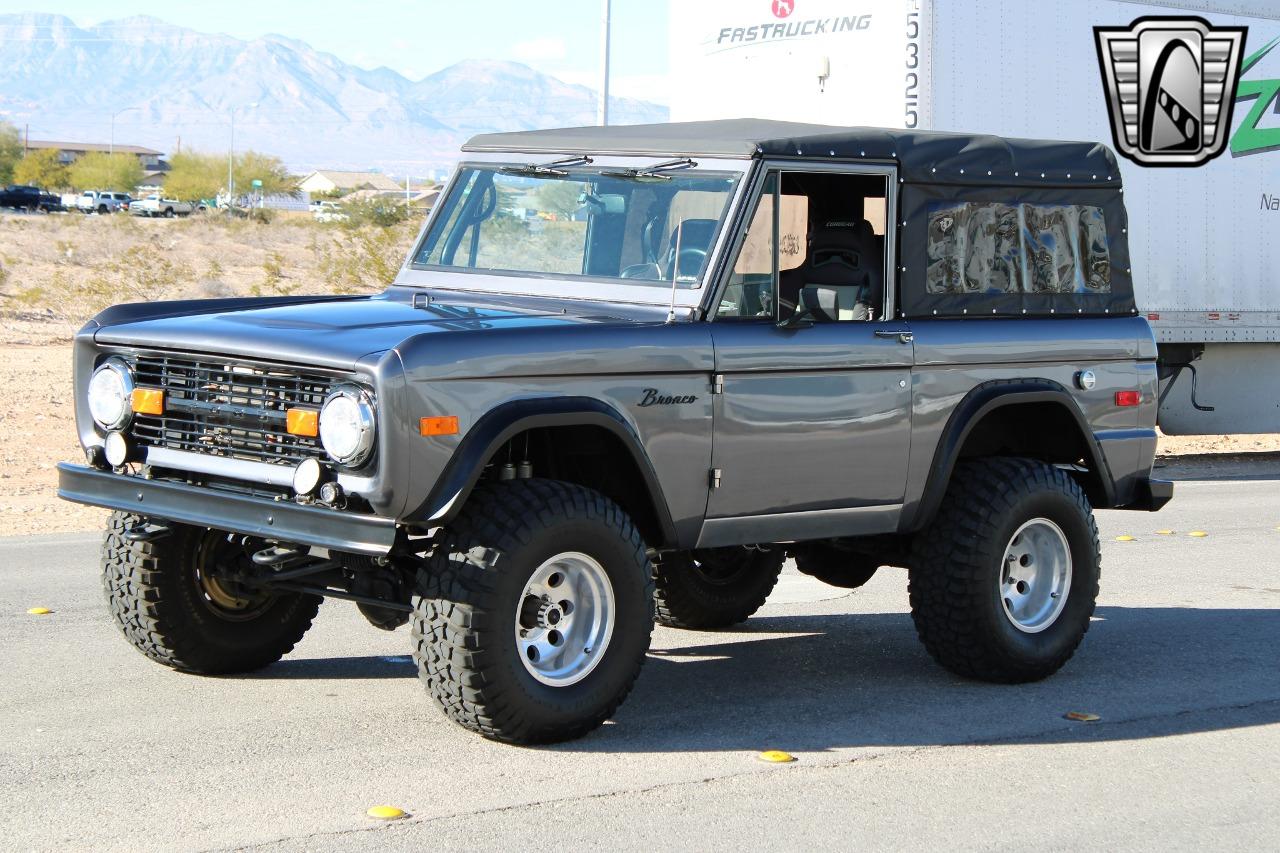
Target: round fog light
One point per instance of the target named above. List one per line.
(116, 449)
(307, 476)
(331, 493)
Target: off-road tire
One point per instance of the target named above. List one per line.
(834, 567)
(689, 596)
(156, 601)
(955, 567)
(464, 624)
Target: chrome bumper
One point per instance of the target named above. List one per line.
(283, 520)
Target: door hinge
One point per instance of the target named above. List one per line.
(714, 478)
(717, 383)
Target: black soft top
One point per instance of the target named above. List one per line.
(923, 157)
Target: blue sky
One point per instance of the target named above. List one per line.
(415, 38)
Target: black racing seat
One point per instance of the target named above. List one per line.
(843, 259)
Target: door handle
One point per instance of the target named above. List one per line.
(904, 337)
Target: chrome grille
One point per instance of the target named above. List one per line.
(224, 408)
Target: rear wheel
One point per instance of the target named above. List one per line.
(176, 601)
(534, 612)
(1003, 583)
(715, 588)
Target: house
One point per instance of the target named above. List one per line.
(331, 181)
(69, 152)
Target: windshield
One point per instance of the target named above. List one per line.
(580, 223)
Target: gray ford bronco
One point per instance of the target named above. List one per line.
(625, 373)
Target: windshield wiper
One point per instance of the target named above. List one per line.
(546, 169)
(655, 171)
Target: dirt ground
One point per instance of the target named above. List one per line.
(55, 272)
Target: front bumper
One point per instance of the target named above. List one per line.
(283, 520)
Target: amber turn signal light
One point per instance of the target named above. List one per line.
(302, 422)
(439, 426)
(147, 401)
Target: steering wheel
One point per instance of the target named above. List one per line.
(689, 257)
(646, 271)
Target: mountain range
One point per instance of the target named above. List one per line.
(169, 85)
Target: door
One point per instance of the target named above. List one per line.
(815, 408)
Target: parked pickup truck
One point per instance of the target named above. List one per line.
(157, 205)
(751, 340)
(23, 197)
(95, 201)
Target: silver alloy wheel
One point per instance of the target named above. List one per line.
(564, 619)
(1036, 575)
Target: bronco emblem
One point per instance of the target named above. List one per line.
(653, 398)
(1169, 83)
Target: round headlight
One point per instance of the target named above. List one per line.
(110, 390)
(346, 426)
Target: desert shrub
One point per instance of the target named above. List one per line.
(379, 210)
(141, 273)
(365, 259)
(274, 281)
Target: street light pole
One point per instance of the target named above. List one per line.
(603, 107)
(111, 148)
(231, 158)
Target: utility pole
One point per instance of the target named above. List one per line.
(26, 139)
(231, 157)
(602, 110)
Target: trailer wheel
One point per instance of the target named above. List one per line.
(173, 602)
(534, 612)
(1003, 583)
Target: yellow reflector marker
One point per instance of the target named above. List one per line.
(776, 756)
(147, 401)
(439, 426)
(1199, 534)
(386, 813)
(39, 611)
(1081, 717)
(302, 422)
(1164, 532)
(1124, 538)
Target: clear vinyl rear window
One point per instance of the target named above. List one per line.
(983, 247)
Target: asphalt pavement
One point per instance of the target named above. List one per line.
(102, 749)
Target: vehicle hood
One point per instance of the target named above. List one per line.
(325, 331)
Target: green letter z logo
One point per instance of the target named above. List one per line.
(1251, 139)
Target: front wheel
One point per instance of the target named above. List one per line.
(715, 588)
(1003, 583)
(534, 612)
(176, 600)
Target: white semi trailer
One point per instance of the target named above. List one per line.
(1205, 241)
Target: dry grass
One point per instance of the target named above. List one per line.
(57, 271)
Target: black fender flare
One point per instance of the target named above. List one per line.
(503, 422)
(977, 404)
